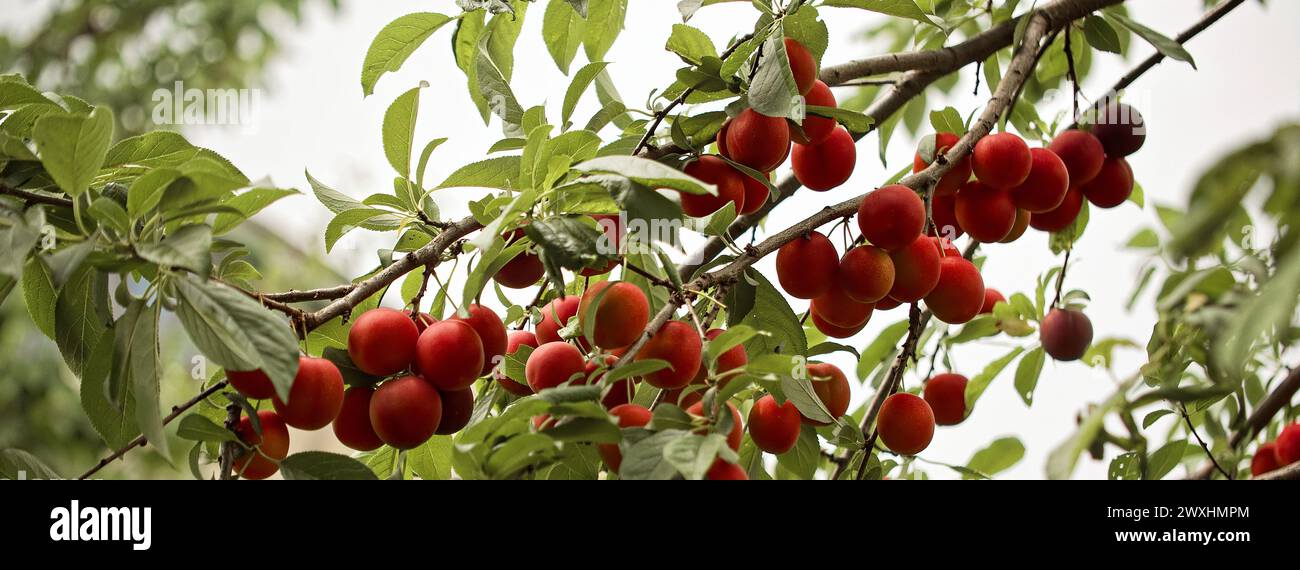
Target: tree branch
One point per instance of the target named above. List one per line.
(36, 198)
(1288, 473)
(140, 441)
(1214, 15)
(1259, 418)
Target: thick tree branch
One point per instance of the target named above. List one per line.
(296, 296)
(429, 255)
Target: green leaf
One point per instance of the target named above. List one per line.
(114, 419)
(322, 466)
(39, 295)
(236, 332)
(773, 91)
(79, 316)
(803, 460)
(1163, 44)
(147, 190)
(495, 89)
(690, 44)
(999, 456)
(1153, 417)
(800, 391)
(563, 30)
(948, 120)
(394, 43)
(644, 458)
(188, 247)
(198, 427)
(648, 172)
(599, 38)
(578, 86)
(772, 313)
(981, 382)
(875, 353)
(1061, 461)
(1027, 372)
(72, 147)
(852, 120)
(693, 454)
(371, 218)
(249, 203)
(399, 131)
(137, 334)
(500, 172)
(896, 8)
(1101, 35)
(17, 464)
(1165, 459)
(432, 460)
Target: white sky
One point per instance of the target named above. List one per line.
(314, 117)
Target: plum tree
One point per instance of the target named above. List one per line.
(555, 316)
(265, 448)
(916, 270)
(959, 295)
(946, 395)
(825, 165)
(1045, 188)
(457, 407)
(892, 217)
(1060, 218)
(774, 427)
(1066, 334)
(405, 412)
(815, 130)
(716, 171)
(991, 298)
(758, 141)
(679, 344)
(450, 355)
(734, 435)
(514, 341)
(553, 364)
(832, 388)
(491, 333)
(806, 267)
(985, 212)
(352, 426)
(1082, 154)
(838, 308)
(522, 270)
(1264, 460)
(802, 65)
(866, 274)
(1112, 186)
(939, 144)
(1001, 160)
(617, 312)
(1120, 128)
(316, 396)
(627, 416)
(905, 423)
(382, 341)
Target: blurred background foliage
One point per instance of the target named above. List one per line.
(118, 53)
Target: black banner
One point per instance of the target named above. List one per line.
(317, 518)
